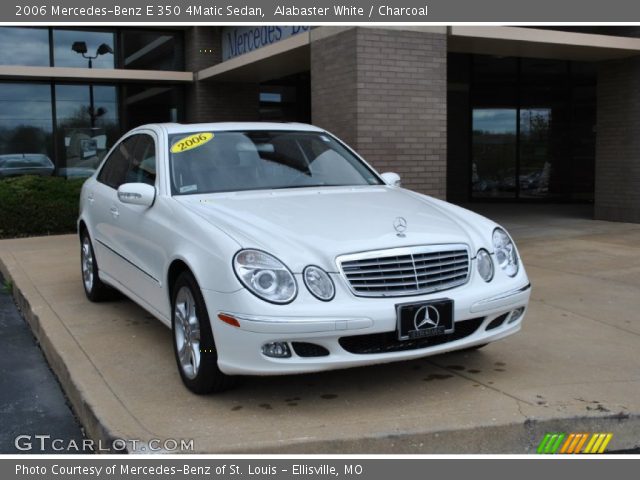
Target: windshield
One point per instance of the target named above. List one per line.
(209, 162)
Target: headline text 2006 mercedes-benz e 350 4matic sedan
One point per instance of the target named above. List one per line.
(274, 248)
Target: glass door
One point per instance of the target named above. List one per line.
(535, 152)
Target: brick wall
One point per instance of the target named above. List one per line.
(333, 85)
(213, 101)
(617, 195)
(384, 92)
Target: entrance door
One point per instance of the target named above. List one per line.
(536, 152)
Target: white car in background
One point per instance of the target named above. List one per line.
(273, 248)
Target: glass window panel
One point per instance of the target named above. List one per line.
(85, 132)
(64, 56)
(493, 69)
(152, 50)
(494, 153)
(150, 104)
(25, 129)
(543, 71)
(24, 46)
(286, 99)
(583, 125)
(551, 103)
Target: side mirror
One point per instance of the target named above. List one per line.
(391, 178)
(137, 194)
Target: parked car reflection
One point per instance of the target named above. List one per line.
(15, 164)
(75, 172)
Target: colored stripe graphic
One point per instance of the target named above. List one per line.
(543, 443)
(550, 443)
(596, 446)
(581, 442)
(557, 443)
(605, 442)
(572, 443)
(590, 443)
(598, 443)
(571, 439)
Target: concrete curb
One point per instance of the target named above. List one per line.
(58, 347)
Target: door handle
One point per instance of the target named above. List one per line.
(114, 212)
(91, 198)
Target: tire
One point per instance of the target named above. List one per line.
(94, 289)
(193, 344)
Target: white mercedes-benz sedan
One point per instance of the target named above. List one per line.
(273, 248)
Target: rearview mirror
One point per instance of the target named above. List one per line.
(137, 194)
(391, 178)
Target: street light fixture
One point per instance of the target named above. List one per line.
(79, 47)
(103, 49)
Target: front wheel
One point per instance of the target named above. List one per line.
(95, 290)
(193, 344)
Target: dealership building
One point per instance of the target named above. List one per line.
(464, 113)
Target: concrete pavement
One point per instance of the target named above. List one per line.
(574, 367)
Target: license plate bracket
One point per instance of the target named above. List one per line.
(425, 319)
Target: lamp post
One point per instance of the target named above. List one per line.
(81, 48)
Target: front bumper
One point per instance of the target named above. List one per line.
(354, 331)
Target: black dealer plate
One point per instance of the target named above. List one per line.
(425, 319)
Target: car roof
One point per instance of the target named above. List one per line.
(171, 128)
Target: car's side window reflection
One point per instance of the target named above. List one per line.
(114, 171)
(143, 165)
(132, 161)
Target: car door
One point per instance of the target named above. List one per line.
(137, 229)
(102, 203)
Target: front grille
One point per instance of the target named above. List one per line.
(388, 342)
(406, 271)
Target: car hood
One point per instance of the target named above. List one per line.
(315, 225)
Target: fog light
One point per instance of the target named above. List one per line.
(276, 350)
(516, 314)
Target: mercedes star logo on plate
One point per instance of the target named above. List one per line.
(427, 316)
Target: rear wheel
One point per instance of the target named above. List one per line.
(95, 290)
(193, 344)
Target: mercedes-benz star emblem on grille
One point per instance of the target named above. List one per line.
(426, 317)
(400, 224)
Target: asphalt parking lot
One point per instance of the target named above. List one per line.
(32, 403)
(574, 367)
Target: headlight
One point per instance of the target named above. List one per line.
(319, 283)
(265, 276)
(505, 250)
(485, 265)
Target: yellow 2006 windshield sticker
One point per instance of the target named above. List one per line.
(192, 141)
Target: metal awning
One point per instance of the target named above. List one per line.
(10, 72)
(540, 43)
